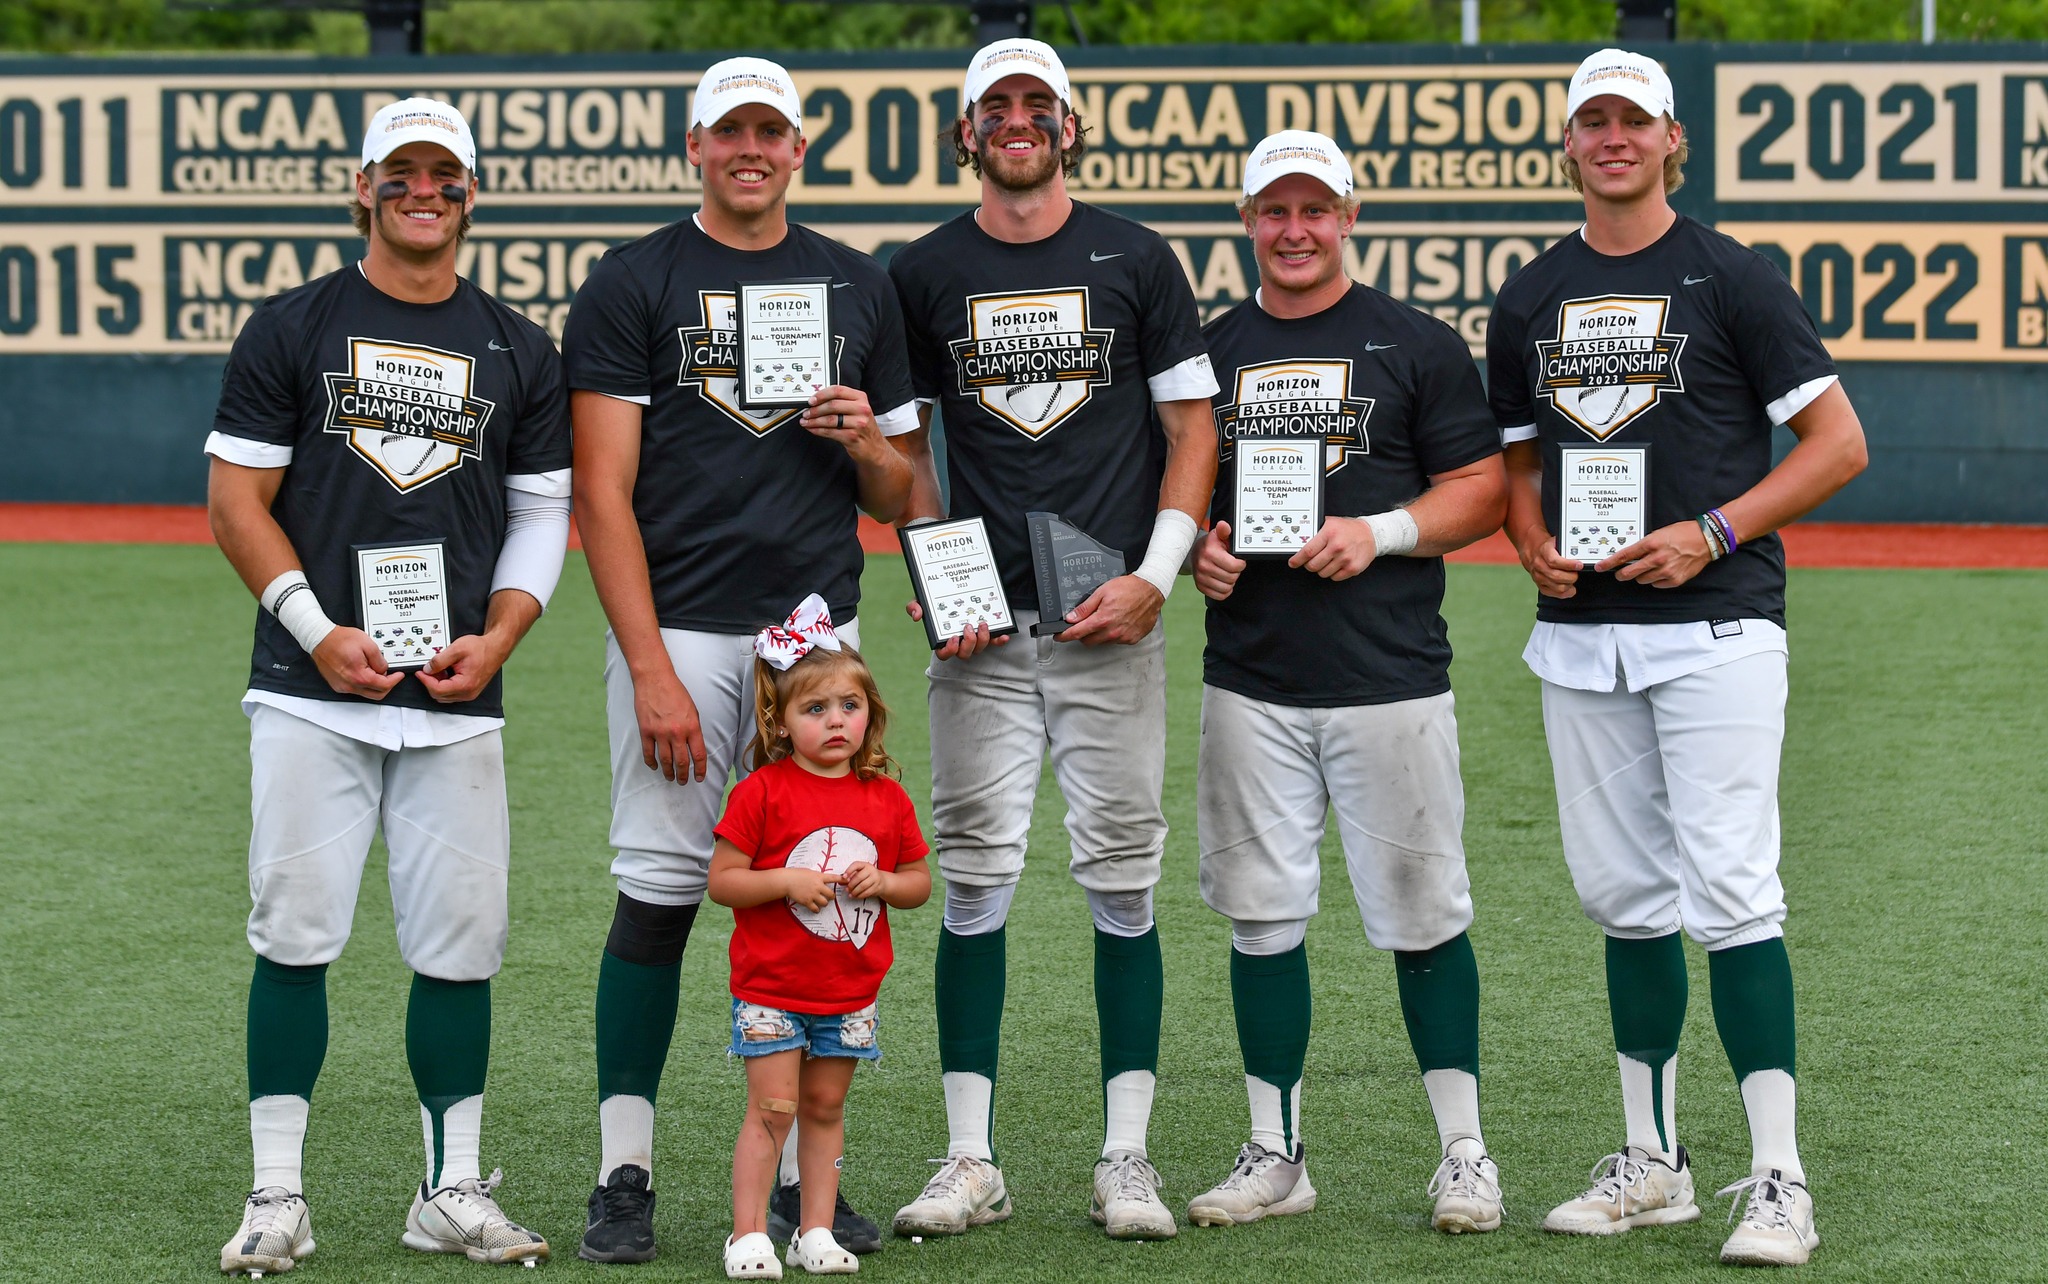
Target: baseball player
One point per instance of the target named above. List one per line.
(1662, 651)
(1063, 345)
(390, 476)
(701, 520)
(1327, 676)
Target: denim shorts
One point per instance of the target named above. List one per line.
(758, 1030)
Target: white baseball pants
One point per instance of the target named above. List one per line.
(1270, 774)
(1102, 712)
(317, 798)
(662, 828)
(1668, 801)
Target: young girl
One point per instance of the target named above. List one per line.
(814, 843)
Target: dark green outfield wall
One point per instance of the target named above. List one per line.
(146, 205)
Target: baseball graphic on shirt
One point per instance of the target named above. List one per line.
(832, 850)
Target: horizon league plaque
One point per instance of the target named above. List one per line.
(953, 572)
(402, 600)
(1069, 565)
(1603, 500)
(1277, 505)
(785, 341)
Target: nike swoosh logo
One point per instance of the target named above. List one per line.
(1695, 280)
(840, 285)
(495, 346)
(1093, 257)
(1380, 347)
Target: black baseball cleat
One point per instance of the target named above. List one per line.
(621, 1222)
(856, 1234)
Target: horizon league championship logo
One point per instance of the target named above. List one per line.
(1030, 357)
(1610, 362)
(407, 409)
(711, 360)
(1299, 399)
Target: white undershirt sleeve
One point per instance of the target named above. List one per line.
(554, 483)
(1191, 380)
(901, 420)
(536, 539)
(247, 451)
(1782, 410)
(1521, 432)
(638, 401)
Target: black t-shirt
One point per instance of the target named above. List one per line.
(742, 512)
(1038, 356)
(1683, 345)
(1394, 397)
(404, 420)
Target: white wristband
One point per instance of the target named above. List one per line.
(1393, 532)
(291, 600)
(1173, 534)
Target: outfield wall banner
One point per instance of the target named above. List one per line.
(146, 206)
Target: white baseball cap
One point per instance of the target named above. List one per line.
(1634, 76)
(1297, 151)
(737, 81)
(1015, 57)
(418, 120)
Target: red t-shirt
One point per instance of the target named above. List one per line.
(822, 962)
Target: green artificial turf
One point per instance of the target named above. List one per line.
(1915, 840)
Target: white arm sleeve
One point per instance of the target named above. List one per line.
(1191, 380)
(1173, 534)
(1782, 410)
(247, 451)
(536, 538)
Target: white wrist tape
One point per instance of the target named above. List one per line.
(1393, 532)
(291, 600)
(1173, 534)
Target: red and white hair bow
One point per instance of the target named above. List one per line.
(808, 626)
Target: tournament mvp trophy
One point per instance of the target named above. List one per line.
(1603, 500)
(953, 572)
(1277, 500)
(785, 341)
(1069, 565)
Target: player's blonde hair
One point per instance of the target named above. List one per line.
(777, 689)
(1674, 164)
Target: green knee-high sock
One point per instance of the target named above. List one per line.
(1646, 994)
(448, 1045)
(1130, 994)
(1270, 995)
(1752, 987)
(287, 1029)
(968, 982)
(1440, 1004)
(636, 1020)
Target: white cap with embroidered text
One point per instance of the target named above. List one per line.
(1015, 57)
(418, 120)
(1636, 77)
(738, 81)
(1297, 151)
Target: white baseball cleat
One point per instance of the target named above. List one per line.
(965, 1192)
(751, 1257)
(820, 1254)
(463, 1218)
(277, 1230)
(1126, 1202)
(1263, 1183)
(1630, 1188)
(1467, 1193)
(1777, 1226)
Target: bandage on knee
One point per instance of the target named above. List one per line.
(778, 1105)
(649, 934)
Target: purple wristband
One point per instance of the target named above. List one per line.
(1727, 528)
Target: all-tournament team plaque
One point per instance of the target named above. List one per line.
(953, 572)
(1277, 500)
(402, 600)
(785, 341)
(1070, 565)
(1603, 500)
